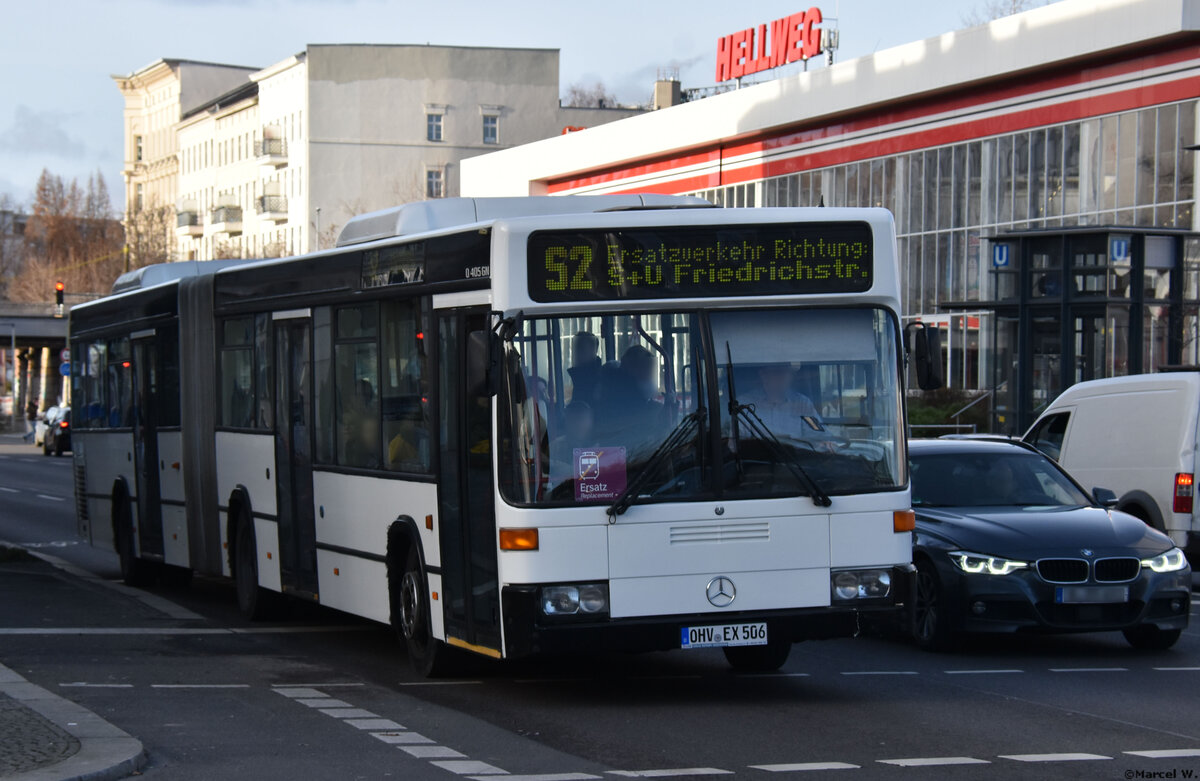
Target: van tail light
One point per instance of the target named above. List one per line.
(1183, 493)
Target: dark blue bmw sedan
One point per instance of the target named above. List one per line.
(1006, 541)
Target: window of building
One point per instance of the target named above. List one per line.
(434, 183)
(137, 148)
(433, 127)
(491, 129)
(139, 197)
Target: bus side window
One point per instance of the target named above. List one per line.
(237, 373)
(356, 386)
(404, 388)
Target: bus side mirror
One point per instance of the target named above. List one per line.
(924, 342)
(483, 363)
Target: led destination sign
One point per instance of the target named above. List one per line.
(732, 260)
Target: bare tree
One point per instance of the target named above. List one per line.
(72, 237)
(990, 10)
(589, 96)
(150, 234)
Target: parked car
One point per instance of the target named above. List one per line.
(1006, 541)
(1155, 418)
(58, 433)
(41, 424)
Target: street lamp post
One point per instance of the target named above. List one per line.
(12, 411)
(318, 241)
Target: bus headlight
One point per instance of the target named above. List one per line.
(861, 584)
(588, 599)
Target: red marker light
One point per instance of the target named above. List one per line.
(58, 286)
(125, 364)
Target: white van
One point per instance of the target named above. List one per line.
(1136, 436)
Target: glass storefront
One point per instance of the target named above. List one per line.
(1129, 169)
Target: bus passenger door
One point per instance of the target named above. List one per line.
(465, 486)
(145, 446)
(293, 455)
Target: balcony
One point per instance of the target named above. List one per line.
(271, 151)
(273, 208)
(187, 223)
(227, 219)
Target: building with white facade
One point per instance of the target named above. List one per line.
(279, 161)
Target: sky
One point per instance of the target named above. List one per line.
(60, 109)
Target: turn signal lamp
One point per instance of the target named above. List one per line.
(1183, 493)
(518, 539)
(904, 521)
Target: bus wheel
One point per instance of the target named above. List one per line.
(758, 658)
(134, 571)
(255, 602)
(410, 613)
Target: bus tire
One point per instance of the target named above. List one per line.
(758, 658)
(430, 657)
(255, 602)
(134, 571)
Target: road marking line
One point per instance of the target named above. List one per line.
(165, 631)
(377, 724)
(298, 691)
(545, 777)
(437, 683)
(1089, 669)
(1066, 757)
(1169, 753)
(671, 773)
(350, 713)
(665, 677)
(82, 685)
(980, 672)
(299, 630)
(324, 702)
(10, 490)
(772, 675)
(1178, 669)
(402, 738)
(466, 767)
(51, 498)
(433, 752)
(199, 686)
(881, 672)
(279, 686)
(799, 766)
(933, 761)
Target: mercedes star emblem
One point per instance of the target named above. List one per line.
(721, 591)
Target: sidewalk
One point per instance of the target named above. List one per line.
(44, 737)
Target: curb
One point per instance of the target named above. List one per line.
(105, 752)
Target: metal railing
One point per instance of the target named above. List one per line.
(944, 428)
(227, 214)
(187, 219)
(273, 147)
(272, 204)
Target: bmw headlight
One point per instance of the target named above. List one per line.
(981, 564)
(1171, 561)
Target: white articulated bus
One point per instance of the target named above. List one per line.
(516, 426)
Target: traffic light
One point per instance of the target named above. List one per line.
(59, 287)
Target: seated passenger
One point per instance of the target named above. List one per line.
(626, 402)
(586, 366)
(578, 432)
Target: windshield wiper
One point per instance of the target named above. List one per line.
(683, 429)
(784, 455)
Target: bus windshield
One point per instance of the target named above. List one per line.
(689, 405)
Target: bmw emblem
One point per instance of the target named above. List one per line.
(1086, 551)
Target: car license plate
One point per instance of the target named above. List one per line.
(723, 636)
(1091, 595)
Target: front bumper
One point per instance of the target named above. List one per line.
(527, 631)
(1022, 601)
